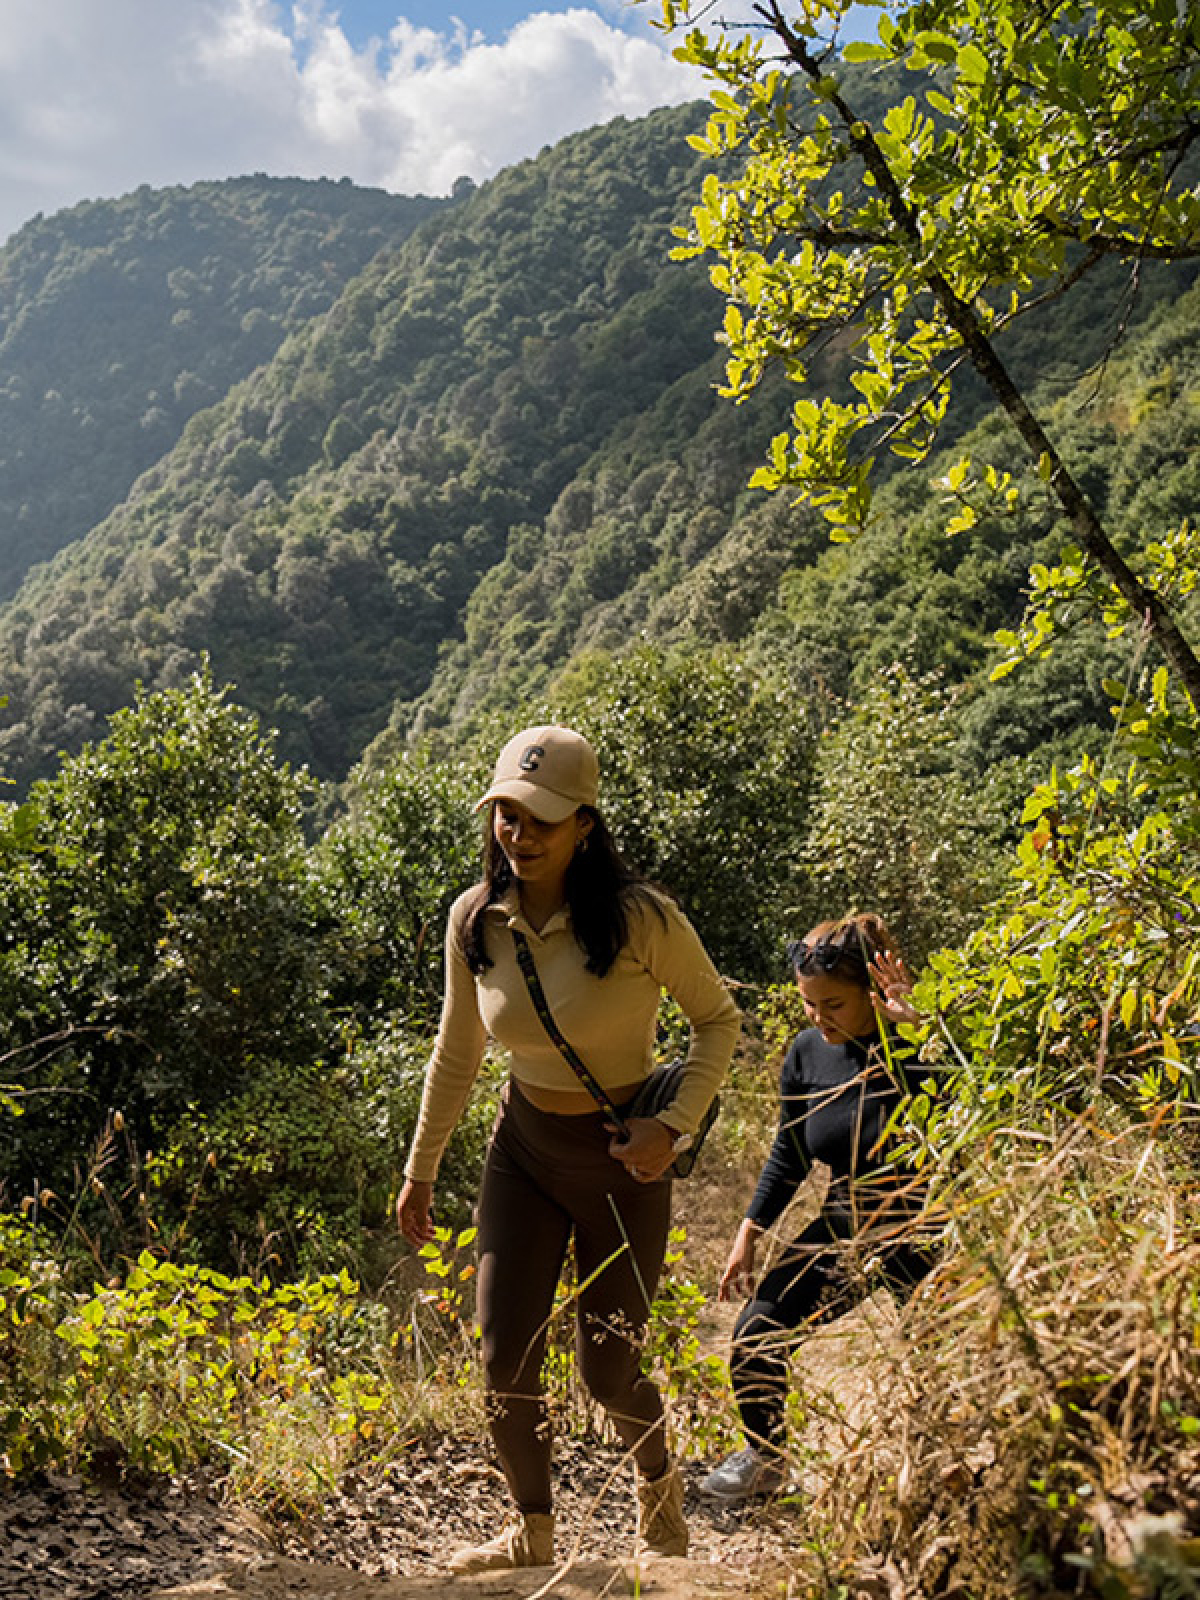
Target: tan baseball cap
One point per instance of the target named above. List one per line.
(551, 771)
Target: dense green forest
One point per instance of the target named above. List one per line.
(500, 447)
(492, 481)
(121, 319)
(431, 471)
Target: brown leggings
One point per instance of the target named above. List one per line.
(547, 1176)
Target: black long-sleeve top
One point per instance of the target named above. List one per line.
(835, 1102)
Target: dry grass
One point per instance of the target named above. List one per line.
(1015, 1425)
(1029, 1423)
(710, 1204)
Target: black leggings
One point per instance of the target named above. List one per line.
(547, 1177)
(814, 1281)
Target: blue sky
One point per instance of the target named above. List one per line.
(100, 96)
(362, 19)
(365, 19)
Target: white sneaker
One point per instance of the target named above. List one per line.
(743, 1475)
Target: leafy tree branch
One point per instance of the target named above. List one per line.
(1045, 138)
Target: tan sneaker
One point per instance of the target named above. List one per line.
(528, 1542)
(661, 1525)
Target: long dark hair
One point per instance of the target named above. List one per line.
(601, 890)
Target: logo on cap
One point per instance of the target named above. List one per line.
(549, 769)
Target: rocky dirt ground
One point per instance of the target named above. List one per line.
(382, 1540)
(388, 1538)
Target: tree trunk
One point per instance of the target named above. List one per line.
(1087, 526)
(1080, 512)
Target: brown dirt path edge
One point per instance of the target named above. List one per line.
(281, 1579)
(386, 1537)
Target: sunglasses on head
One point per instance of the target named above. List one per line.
(827, 955)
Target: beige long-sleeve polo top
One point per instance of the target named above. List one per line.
(609, 1020)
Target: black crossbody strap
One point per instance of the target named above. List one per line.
(546, 1017)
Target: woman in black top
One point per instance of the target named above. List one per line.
(837, 1096)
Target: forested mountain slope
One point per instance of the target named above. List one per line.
(502, 445)
(320, 530)
(120, 319)
(671, 546)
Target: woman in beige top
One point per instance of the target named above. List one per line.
(605, 944)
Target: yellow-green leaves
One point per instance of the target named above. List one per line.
(930, 49)
(1039, 127)
(175, 1363)
(1085, 980)
(860, 50)
(1060, 594)
(972, 64)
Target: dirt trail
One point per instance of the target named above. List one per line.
(383, 1538)
(280, 1579)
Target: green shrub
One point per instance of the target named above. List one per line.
(161, 929)
(390, 870)
(893, 828)
(705, 771)
(179, 1365)
(1085, 980)
(1029, 1423)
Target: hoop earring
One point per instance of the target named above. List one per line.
(581, 847)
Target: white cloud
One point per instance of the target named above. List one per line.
(97, 99)
(498, 102)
